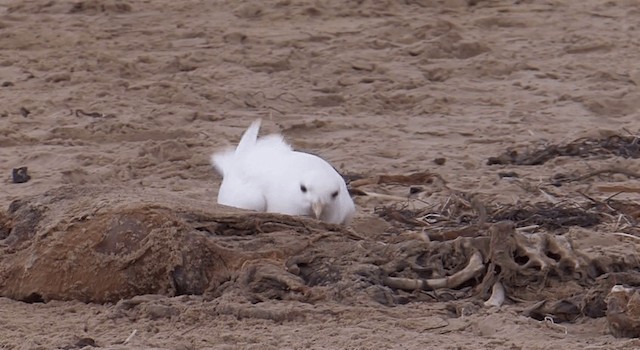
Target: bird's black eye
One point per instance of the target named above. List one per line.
(303, 188)
(334, 194)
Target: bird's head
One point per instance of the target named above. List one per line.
(319, 192)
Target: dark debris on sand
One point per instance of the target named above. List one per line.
(616, 145)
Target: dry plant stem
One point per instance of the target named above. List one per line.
(615, 170)
(497, 296)
(618, 189)
(549, 197)
(527, 228)
(626, 235)
(385, 196)
(473, 269)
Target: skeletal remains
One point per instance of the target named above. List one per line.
(505, 258)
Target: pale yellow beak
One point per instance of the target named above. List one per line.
(317, 208)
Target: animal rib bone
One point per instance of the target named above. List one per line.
(474, 268)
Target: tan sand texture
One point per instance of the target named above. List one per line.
(490, 145)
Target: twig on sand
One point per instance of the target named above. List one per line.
(550, 323)
(384, 196)
(618, 189)
(527, 228)
(613, 170)
(130, 336)
(626, 235)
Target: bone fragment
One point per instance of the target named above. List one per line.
(497, 296)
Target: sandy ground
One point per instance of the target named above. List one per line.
(138, 94)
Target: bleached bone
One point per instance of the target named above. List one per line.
(561, 246)
(474, 268)
(533, 247)
(497, 296)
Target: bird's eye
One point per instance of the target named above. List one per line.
(334, 194)
(303, 188)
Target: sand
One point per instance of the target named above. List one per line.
(116, 106)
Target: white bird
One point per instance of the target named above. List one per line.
(266, 174)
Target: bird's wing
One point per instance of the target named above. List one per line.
(346, 207)
(250, 148)
(272, 144)
(248, 169)
(236, 191)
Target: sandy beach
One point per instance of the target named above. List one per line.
(432, 109)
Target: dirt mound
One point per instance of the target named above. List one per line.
(103, 244)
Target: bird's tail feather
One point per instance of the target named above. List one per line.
(222, 160)
(249, 138)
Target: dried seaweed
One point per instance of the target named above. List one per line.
(458, 214)
(417, 178)
(617, 145)
(547, 215)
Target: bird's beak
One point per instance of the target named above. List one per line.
(317, 208)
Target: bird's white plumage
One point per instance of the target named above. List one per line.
(266, 174)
